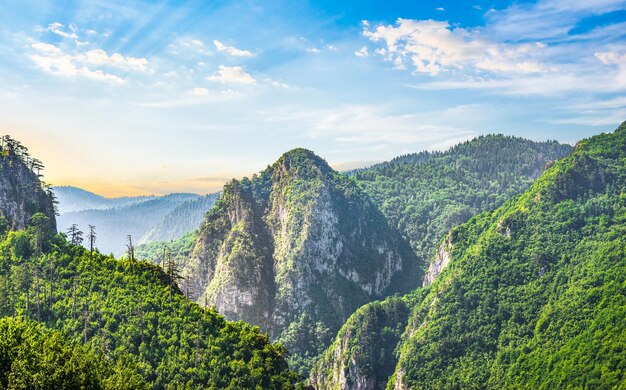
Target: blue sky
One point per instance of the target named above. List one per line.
(163, 96)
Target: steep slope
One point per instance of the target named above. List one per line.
(73, 199)
(137, 328)
(530, 295)
(426, 194)
(180, 221)
(135, 317)
(296, 250)
(113, 225)
(22, 194)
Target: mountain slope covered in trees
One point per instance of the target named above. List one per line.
(113, 323)
(134, 313)
(426, 194)
(295, 250)
(22, 193)
(72, 199)
(113, 225)
(181, 220)
(530, 295)
(35, 357)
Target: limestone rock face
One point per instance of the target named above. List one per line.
(439, 263)
(296, 250)
(21, 192)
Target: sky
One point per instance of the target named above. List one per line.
(153, 97)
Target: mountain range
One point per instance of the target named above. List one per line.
(498, 263)
(145, 218)
(529, 295)
(299, 247)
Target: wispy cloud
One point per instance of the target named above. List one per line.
(362, 52)
(376, 127)
(545, 19)
(59, 29)
(195, 97)
(232, 51)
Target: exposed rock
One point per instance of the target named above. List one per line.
(503, 229)
(363, 354)
(22, 194)
(441, 260)
(296, 250)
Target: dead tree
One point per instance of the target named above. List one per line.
(86, 314)
(92, 240)
(173, 272)
(74, 288)
(75, 235)
(130, 249)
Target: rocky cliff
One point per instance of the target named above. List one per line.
(22, 194)
(296, 250)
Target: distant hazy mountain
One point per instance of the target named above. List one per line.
(76, 199)
(181, 220)
(115, 218)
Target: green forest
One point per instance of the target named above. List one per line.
(534, 295)
(131, 317)
(532, 292)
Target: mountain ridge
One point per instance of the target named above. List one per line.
(303, 236)
(502, 312)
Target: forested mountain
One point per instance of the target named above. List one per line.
(73, 199)
(137, 219)
(441, 188)
(133, 314)
(530, 295)
(22, 193)
(426, 194)
(112, 324)
(295, 250)
(181, 220)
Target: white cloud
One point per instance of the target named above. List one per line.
(45, 48)
(313, 50)
(100, 75)
(199, 91)
(57, 28)
(611, 57)
(433, 47)
(277, 84)
(199, 97)
(362, 52)
(52, 59)
(64, 65)
(232, 75)
(115, 60)
(188, 44)
(440, 9)
(230, 50)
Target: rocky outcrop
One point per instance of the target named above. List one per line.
(439, 263)
(22, 194)
(296, 250)
(363, 354)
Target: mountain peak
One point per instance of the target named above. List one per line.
(300, 158)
